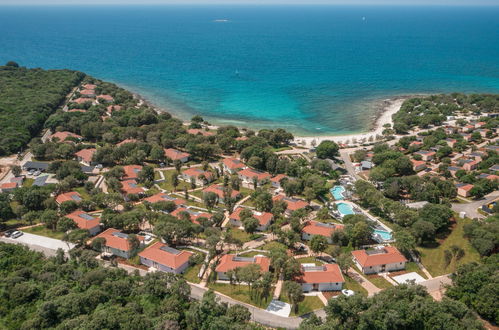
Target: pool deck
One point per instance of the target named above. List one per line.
(355, 206)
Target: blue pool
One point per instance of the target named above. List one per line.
(385, 236)
(345, 209)
(337, 192)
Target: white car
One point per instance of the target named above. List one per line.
(16, 234)
(347, 293)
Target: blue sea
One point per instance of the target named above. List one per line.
(314, 70)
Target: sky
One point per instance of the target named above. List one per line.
(256, 2)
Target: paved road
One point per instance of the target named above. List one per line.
(48, 246)
(436, 283)
(471, 208)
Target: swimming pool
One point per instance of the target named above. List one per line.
(385, 236)
(337, 192)
(345, 209)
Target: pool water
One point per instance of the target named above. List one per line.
(337, 192)
(386, 236)
(345, 209)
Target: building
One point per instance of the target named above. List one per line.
(366, 165)
(384, 259)
(131, 187)
(89, 93)
(490, 177)
(8, 186)
(264, 218)
(112, 108)
(248, 176)
(418, 165)
(85, 221)
(85, 156)
(117, 243)
(453, 170)
(313, 228)
(233, 261)
(293, 203)
(197, 131)
(63, 136)
(426, 155)
(175, 154)
(451, 142)
(69, 196)
(194, 216)
(276, 181)
(162, 197)
(41, 181)
(36, 166)
(233, 165)
(470, 165)
(89, 86)
(105, 98)
(200, 177)
(165, 258)
(220, 192)
(463, 189)
(131, 172)
(127, 141)
(494, 168)
(327, 277)
(81, 100)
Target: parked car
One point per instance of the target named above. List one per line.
(9, 232)
(347, 293)
(37, 173)
(16, 234)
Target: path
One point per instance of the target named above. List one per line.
(366, 284)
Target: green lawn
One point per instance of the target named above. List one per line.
(379, 281)
(83, 193)
(240, 234)
(413, 267)
(191, 274)
(351, 284)
(28, 182)
(433, 257)
(167, 184)
(43, 231)
(309, 304)
(270, 245)
(309, 260)
(241, 293)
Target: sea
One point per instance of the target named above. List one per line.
(314, 70)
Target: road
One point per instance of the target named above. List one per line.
(471, 208)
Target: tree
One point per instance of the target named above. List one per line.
(210, 199)
(12, 64)
(327, 149)
(16, 170)
(175, 182)
(248, 274)
(238, 313)
(294, 293)
(50, 219)
(98, 243)
(318, 244)
(404, 241)
(64, 224)
(250, 224)
(438, 214)
(344, 262)
(133, 243)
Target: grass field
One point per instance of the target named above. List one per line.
(309, 260)
(379, 281)
(191, 274)
(241, 235)
(43, 231)
(309, 304)
(241, 293)
(167, 184)
(351, 284)
(433, 257)
(270, 245)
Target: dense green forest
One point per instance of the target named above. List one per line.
(27, 98)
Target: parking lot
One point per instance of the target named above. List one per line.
(46, 245)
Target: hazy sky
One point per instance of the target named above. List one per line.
(259, 2)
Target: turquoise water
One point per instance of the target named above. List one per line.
(313, 70)
(345, 209)
(337, 191)
(386, 236)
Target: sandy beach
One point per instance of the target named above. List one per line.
(390, 107)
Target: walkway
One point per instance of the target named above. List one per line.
(366, 284)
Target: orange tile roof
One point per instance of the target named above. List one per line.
(86, 154)
(330, 273)
(233, 163)
(77, 110)
(112, 108)
(116, 239)
(319, 228)
(219, 190)
(293, 203)
(131, 171)
(194, 215)
(162, 197)
(87, 92)
(81, 100)
(83, 220)
(197, 172)
(126, 141)
(175, 154)
(196, 131)
(9, 185)
(263, 217)
(106, 97)
(131, 187)
(69, 196)
(387, 255)
(164, 255)
(251, 173)
(279, 177)
(227, 263)
(89, 86)
(62, 136)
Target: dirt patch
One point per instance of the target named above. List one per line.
(331, 294)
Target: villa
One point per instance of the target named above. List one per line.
(463, 189)
(418, 165)
(175, 154)
(126, 141)
(248, 176)
(131, 187)
(87, 93)
(193, 215)
(85, 156)
(85, 221)
(327, 277)
(162, 197)
(276, 181)
(264, 218)
(313, 228)
(117, 243)
(233, 261)
(69, 196)
(426, 155)
(165, 258)
(200, 177)
(131, 172)
(196, 131)
(293, 203)
(220, 191)
(8, 186)
(105, 98)
(384, 259)
(233, 165)
(63, 136)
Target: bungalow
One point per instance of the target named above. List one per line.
(321, 278)
(463, 189)
(18, 180)
(85, 221)
(469, 165)
(418, 165)
(247, 176)
(81, 100)
(85, 156)
(196, 131)
(366, 165)
(478, 155)
(483, 132)
(131, 187)
(492, 148)
(87, 93)
(77, 110)
(63, 136)
(242, 138)
(384, 259)
(165, 258)
(276, 181)
(466, 136)
(175, 154)
(233, 261)
(313, 228)
(415, 144)
(490, 177)
(233, 165)
(8, 187)
(126, 141)
(117, 243)
(69, 196)
(112, 108)
(480, 124)
(468, 128)
(451, 142)
(200, 177)
(293, 203)
(89, 86)
(162, 197)
(193, 215)
(131, 172)
(220, 191)
(449, 130)
(105, 98)
(264, 218)
(426, 155)
(494, 168)
(453, 170)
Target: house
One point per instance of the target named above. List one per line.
(264, 218)
(200, 177)
(131, 187)
(8, 186)
(36, 166)
(126, 141)
(162, 197)
(483, 132)
(466, 136)
(18, 180)
(105, 98)
(463, 189)
(293, 203)
(248, 176)
(313, 228)
(117, 243)
(494, 168)
(490, 177)
(416, 144)
(276, 181)
(175, 154)
(41, 181)
(468, 128)
(426, 155)
(69, 196)
(366, 165)
(233, 165)
(233, 261)
(470, 165)
(112, 108)
(90, 93)
(242, 138)
(384, 259)
(89, 86)
(451, 142)
(480, 124)
(85, 156)
(131, 172)
(77, 110)
(81, 100)
(85, 221)
(193, 215)
(453, 170)
(326, 277)
(418, 165)
(220, 192)
(63, 136)
(196, 131)
(89, 170)
(478, 156)
(165, 258)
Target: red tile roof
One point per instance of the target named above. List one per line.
(219, 190)
(175, 154)
(196, 131)
(330, 273)
(162, 197)
(197, 172)
(9, 185)
(108, 98)
(69, 196)
(62, 136)
(386, 255)
(127, 141)
(227, 263)
(87, 92)
(279, 177)
(233, 163)
(81, 100)
(319, 228)
(263, 218)
(112, 108)
(251, 173)
(83, 220)
(293, 203)
(86, 154)
(77, 110)
(131, 187)
(119, 241)
(131, 171)
(169, 257)
(194, 215)
(89, 86)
